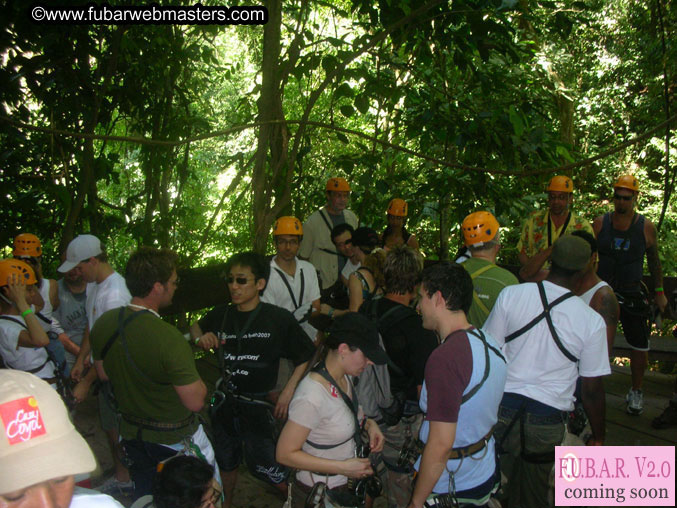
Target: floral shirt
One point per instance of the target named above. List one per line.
(534, 237)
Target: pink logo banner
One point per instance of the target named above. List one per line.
(615, 476)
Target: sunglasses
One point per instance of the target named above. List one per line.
(240, 280)
(622, 198)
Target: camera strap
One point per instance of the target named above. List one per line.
(353, 404)
(227, 374)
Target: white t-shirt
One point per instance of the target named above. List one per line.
(22, 358)
(330, 422)
(102, 297)
(587, 296)
(349, 268)
(536, 366)
(85, 498)
(276, 291)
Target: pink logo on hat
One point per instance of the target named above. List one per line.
(22, 420)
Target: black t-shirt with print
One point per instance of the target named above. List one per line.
(272, 334)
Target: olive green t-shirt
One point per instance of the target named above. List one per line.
(144, 387)
(487, 285)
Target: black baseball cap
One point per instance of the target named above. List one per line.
(359, 331)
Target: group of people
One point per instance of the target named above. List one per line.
(346, 367)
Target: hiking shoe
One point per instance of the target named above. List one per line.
(113, 487)
(635, 402)
(668, 418)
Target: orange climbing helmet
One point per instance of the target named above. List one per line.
(23, 271)
(338, 184)
(561, 183)
(478, 228)
(287, 226)
(627, 182)
(398, 207)
(27, 245)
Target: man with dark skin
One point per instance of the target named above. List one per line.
(623, 238)
(546, 354)
(597, 293)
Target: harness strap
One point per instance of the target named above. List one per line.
(291, 293)
(471, 449)
(475, 296)
(113, 338)
(44, 318)
(353, 404)
(329, 446)
(326, 221)
(547, 307)
(553, 332)
(239, 334)
(564, 227)
(148, 424)
(480, 335)
(34, 369)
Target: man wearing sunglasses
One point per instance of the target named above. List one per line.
(543, 227)
(250, 337)
(623, 238)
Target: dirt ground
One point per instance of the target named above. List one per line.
(249, 492)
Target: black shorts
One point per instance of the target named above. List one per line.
(251, 430)
(636, 329)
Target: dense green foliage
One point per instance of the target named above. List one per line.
(452, 105)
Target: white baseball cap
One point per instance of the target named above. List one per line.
(38, 441)
(82, 247)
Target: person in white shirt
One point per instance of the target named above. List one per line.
(293, 283)
(22, 338)
(546, 352)
(106, 290)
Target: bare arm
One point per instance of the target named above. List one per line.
(434, 460)
(354, 293)
(99, 370)
(83, 356)
(413, 242)
(192, 396)
(68, 344)
(592, 394)
(289, 453)
(597, 225)
(606, 305)
(282, 405)
(54, 294)
(531, 270)
(34, 335)
(654, 262)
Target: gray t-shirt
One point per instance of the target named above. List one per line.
(72, 316)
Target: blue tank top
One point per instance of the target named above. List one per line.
(621, 253)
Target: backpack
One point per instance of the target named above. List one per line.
(373, 385)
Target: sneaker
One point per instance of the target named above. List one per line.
(635, 402)
(667, 418)
(113, 487)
